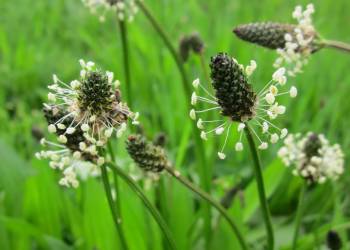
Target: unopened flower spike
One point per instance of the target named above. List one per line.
(236, 101)
(147, 155)
(83, 115)
(294, 43)
(312, 157)
(190, 43)
(125, 9)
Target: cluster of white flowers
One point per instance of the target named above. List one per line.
(72, 165)
(83, 128)
(266, 109)
(313, 157)
(299, 44)
(125, 9)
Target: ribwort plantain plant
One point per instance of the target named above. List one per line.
(294, 43)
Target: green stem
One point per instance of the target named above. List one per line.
(261, 188)
(345, 47)
(168, 44)
(204, 170)
(113, 207)
(204, 68)
(158, 218)
(299, 215)
(126, 64)
(209, 199)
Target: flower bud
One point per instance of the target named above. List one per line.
(146, 155)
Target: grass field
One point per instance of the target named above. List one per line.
(42, 37)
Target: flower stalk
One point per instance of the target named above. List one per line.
(209, 199)
(345, 47)
(261, 188)
(299, 215)
(158, 218)
(204, 169)
(126, 63)
(113, 207)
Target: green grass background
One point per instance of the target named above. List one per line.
(42, 37)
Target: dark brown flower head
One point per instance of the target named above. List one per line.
(147, 156)
(273, 35)
(269, 35)
(96, 93)
(233, 92)
(190, 43)
(312, 145)
(53, 115)
(333, 241)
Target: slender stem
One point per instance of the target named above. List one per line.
(115, 179)
(113, 207)
(209, 199)
(126, 64)
(168, 44)
(261, 188)
(204, 68)
(336, 45)
(158, 218)
(299, 215)
(204, 169)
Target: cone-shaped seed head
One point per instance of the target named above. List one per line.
(312, 145)
(96, 93)
(234, 94)
(270, 35)
(333, 241)
(147, 156)
(192, 42)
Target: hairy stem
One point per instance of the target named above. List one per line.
(158, 218)
(299, 215)
(209, 199)
(204, 168)
(113, 207)
(261, 188)
(126, 64)
(345, 47)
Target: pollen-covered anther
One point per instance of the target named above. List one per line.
(313, 157)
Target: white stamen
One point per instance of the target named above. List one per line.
(239, 146)
(263, 146)
(62, 139)
(241, 126)
(52, 128)
(219, 131)
(293, 92)
(194, 98)
(196, 83)
(200, 123)
(193, 114)
(221, 155)
(204, 136)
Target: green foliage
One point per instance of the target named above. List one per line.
(39, 38)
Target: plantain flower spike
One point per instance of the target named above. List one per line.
(125, 9)
(294, 43)
(83, 115)
(312, 157)
(147, 155)
(237, 103)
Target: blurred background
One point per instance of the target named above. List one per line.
(43, 37)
